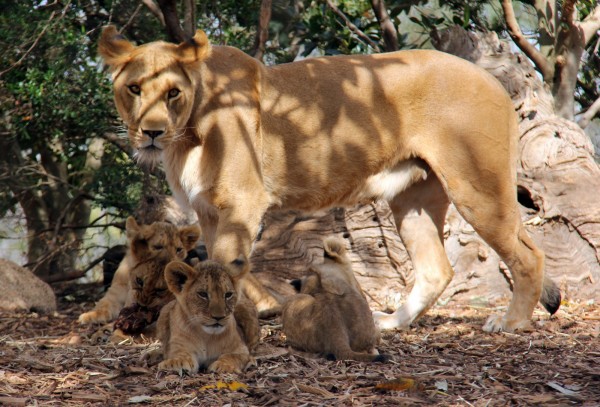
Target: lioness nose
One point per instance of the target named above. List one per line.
(153, 133)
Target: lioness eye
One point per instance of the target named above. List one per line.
(135, 89)
(158, 247)
(203, 294)
(173, 93)
(139, 282)
(228, 295)
(179, 249)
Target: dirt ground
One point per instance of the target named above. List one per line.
(446, 360)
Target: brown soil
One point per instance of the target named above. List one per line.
(446, 359)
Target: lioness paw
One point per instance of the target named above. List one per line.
(497, 323)
(179, 365)
(389, 321)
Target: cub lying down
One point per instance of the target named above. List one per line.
(331, 315)
(207, 325)
(139, 278)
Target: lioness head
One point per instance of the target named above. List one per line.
(205, 293)
(153, 87)
(153, 247)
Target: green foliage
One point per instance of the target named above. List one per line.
(62, 98)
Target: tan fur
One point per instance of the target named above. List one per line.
(140, 276)
(418, 128)
(206, 326)
(331, 314)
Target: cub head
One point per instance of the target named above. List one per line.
(152, 248)
(334, 275)
(205, 292)
(154, 87)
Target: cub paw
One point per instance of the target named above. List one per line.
(179, 365)
(93, 317)
(152, 357)
(497, 323)
(268, 307)
(230, 364)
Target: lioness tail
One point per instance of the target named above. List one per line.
(551, 297)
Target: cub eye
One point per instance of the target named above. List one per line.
(173, 93)
(228, 295)
(160, 291)
(139, 282)
(158, 247)
(179, 250)
(135, 89)
(203, 295)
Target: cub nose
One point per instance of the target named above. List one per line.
(153, 133)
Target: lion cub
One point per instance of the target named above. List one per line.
(140, 279)
(331, 315)
(206, 325)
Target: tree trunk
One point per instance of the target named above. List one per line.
(558, 178)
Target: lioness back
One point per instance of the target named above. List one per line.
(199, 328)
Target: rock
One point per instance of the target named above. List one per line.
(21, 290)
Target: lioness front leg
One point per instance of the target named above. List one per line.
(236, 231)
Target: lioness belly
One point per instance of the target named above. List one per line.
(385, 184)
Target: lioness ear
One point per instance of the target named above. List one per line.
(113, 47)
(189, 236)
(177, 273)
(195, 49)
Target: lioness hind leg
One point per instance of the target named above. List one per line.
(493, 212)
(419, 213)
(526, 264)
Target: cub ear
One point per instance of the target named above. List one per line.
(113, 47)
(177, 274)
(239, 267)
(335, 249)
(195, 49)
(131, 227)
(189, 236)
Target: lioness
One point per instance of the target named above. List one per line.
(331, 314)
(417, 128)
(140, 277)
(199, 328)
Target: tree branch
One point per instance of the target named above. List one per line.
(390, 34)
(37, 40)
(539, 60)
(584, 120)
(262, 33)
(590, 25)
(154, 9)
(352, 27)
(169, 11)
